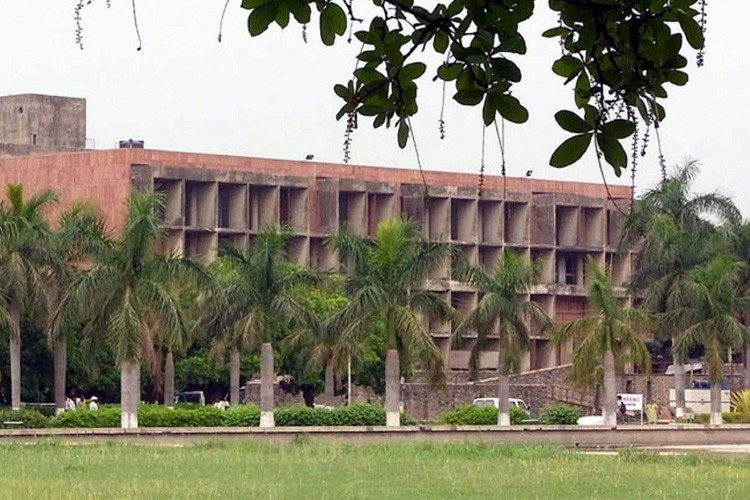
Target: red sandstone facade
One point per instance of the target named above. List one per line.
(213, 199)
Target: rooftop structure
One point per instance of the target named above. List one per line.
(213, 200)
(35, 124)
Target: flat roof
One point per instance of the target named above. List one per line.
(110, 158)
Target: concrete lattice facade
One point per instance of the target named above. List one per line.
(212, 200)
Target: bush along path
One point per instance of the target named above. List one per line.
(238, 416)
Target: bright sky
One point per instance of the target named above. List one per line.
(272, 96)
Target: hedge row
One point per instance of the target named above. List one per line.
(560, 414)
(731, 417)
(29, 419)
(484, 415)
(238, 416)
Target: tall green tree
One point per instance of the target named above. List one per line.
(80, 237)
(503, 307)
(675, 227)
(386, 281)
(255, 303)
(709, 306)
(740, 238)
(317, 347)
(26, 262)
(611, 332)
(126, 295)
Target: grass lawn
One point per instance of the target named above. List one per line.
(246, 470)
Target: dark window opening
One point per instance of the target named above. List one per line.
(284, 207)
(568, 275)
(343, 211)
(224, 211)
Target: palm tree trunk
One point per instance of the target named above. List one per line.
(679, 383)
(503, 394)
(234, 377)
(266, 385)
(15, 356)
(503, 391)
(746, 369)
(597, 398)
(130, 394)
(169, 380)
(716, 418)
(392, 389)
(60, 367)
(608, 405)
(329, 384)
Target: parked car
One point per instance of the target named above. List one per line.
(191, 397)
(520, 403)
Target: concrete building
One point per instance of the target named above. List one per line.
(35, 124)
(214, 199)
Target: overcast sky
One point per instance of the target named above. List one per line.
(272, 96)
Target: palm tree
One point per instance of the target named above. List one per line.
(612, 331)
(673, 197)
(709, 308)
(178, 344)
(319, 347)
(254, 304)
(674, 226)
(386, 280)
(26, 260)
(740, 238)
(503, 305)
(77, 242)
(126, 295)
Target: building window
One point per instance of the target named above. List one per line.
(571, 270)
(33, 139)
(20, 110)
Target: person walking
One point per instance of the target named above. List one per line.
(621, 409)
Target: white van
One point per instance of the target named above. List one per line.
(520, 403)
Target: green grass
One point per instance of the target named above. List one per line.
(302, 470)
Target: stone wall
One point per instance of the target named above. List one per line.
(538, 388)
(281, 398)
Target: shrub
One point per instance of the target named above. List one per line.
(47, 410)
(485, 415)
(236, 416)
(735, 417)
(354, 415)
(699, 418)
(741, 402)
(242, 416)
(560, 414)
(731, 417)
(108, 416)
(160, 416)
(30, 419)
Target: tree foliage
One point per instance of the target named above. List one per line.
(619, 55)
(503, 306)
(384, 284)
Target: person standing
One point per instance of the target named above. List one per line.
(652, 412)
(93, 405)
(621, 409)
